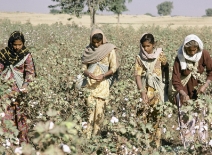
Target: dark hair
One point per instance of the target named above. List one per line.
(97, 36)
(147, 37)
(16, 35)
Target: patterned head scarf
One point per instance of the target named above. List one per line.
(144, 55)
(182, 55)
(8, 56)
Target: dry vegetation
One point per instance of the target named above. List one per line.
(125, 20)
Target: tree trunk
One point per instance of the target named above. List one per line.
(92, 16)
(118, 18)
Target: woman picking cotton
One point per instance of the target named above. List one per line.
(99, 62)
(189, 65)
(16, 65)
(149, 67)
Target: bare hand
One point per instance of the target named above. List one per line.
(92, 76)
(144, 97)
(100, 77)
(202, 89)
(185, 97)
(24, 89)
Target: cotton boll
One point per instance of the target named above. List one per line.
(18, 151)
(169, 115)
(22, 89)
(196, 127)
(210, 143)
(114, 120)
(66, 148)
(177, 128)
(2, 114)
(124, 114)
(84, 125)
(17, 141)
(51, 125)
(205, 127)
(164, 130)
(8, 142)
(79, 76)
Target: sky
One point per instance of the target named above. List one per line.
(194, 8)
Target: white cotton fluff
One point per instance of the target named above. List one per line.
(79, 76)
(2, 114)
(196, 127)
(210, 143)
(51, 125)
(164, 130)
(84, 125)
(205, 127)
(177, 128)
(18, 150)
(66, 148)
(22, 89)
(7, 144)
(169, 115)
(124, 114)
(114, 120)
(17, 141)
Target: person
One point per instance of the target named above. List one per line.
(151, 63)
(16, 66)
(190, 63)
(99, 63)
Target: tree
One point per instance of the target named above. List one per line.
(208, 12)
(76, 7)
(165, 8)
(117, 6)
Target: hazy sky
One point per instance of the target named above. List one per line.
(181, 7)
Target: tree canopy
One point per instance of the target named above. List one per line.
(208, 12)
(165, 8)
(117, 6)
(76, 7)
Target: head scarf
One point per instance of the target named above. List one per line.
(145, 56)
(182, 55)
(8, 56)
(93, 55)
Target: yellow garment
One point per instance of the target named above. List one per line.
(140, 69)
(98, 94)
(96, 108)
(153, 97)
(101, 89)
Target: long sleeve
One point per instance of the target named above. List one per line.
(1, 68)
(113, 61)
(176, 74)
(29, 69)
(208, 64)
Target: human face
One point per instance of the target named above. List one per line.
(17, 45)
(191, 51)
(148, 47)
(96, 43)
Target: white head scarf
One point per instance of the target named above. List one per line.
(182, 56)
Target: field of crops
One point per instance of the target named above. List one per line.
(56, 110)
